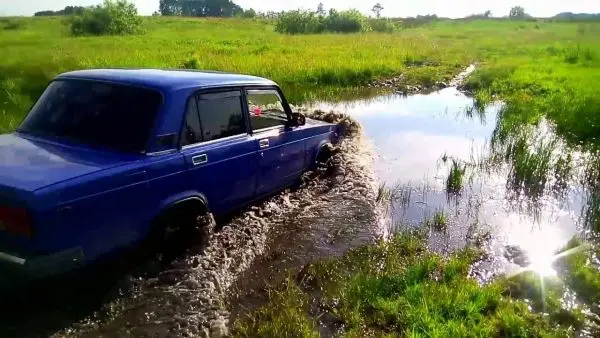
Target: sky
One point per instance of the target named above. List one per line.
(445, 8)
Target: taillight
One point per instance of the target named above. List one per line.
(15, 221)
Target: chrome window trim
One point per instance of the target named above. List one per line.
(195, 145)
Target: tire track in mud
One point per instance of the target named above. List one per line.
(333, 211)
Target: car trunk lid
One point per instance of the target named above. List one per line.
(27, 165)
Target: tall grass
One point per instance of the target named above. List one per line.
(456, 178)
(306, 64)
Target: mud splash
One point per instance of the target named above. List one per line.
(342, 214)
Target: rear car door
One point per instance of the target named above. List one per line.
(219, 152)
(281, 150)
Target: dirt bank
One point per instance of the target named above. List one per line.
(400, 84)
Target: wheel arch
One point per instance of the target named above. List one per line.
(324, 149)
(190, 199)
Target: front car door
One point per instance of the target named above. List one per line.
(281, 150)
(219, 152)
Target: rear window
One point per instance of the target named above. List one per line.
(95, 113)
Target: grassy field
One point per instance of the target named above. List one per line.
(517, 58)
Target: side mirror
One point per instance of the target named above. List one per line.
(298, 119)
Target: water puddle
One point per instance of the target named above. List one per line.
(428, 144)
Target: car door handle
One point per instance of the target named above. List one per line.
(264, 143)
(200, 159)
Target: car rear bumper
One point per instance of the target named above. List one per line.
(18, 267)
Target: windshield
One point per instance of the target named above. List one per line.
(96, 113)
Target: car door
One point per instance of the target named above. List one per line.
(220, 153)
(281, 150)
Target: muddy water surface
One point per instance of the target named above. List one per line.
(418, 138)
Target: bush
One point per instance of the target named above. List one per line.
(299, 22)
(249, 14)
(351, 21)
(382, 25)
(13, 25)
(111, 18)
(306, 22)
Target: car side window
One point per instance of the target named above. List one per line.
(192, 133)
(266, 109)
(221, 115)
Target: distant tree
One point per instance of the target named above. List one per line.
(517, 12)
(250, 14)
(212, 8)
(568, 16)
(272, 15)
(169, 7)
(69, 10)
(321, 9)
(156, 13)
(377, 10)
(487, 14)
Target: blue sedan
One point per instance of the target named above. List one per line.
(106, 157)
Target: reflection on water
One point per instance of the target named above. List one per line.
(509, 173)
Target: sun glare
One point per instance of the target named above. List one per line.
(541, 263)
(540, 246)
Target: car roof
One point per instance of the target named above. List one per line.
(166, 79)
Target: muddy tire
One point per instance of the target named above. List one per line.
(174, 231)
(324, 161)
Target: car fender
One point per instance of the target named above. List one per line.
(179, 198)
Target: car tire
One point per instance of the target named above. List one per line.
(175, 231)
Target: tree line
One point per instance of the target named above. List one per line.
(228, 8)
(69, 10)
(200, 8)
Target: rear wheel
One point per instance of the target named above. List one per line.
(176, 230)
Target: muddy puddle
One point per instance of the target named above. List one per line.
(445, 165)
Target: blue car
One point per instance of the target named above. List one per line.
(105, 155)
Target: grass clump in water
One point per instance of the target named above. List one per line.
(391, 196)
(399, 289)
(439, 221)
(455, 180)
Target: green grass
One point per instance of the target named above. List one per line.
(580, 273)
(399, 289)
(456, 177)
(287, 316)
(439, 222)
(558, 81)
(390, 196)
